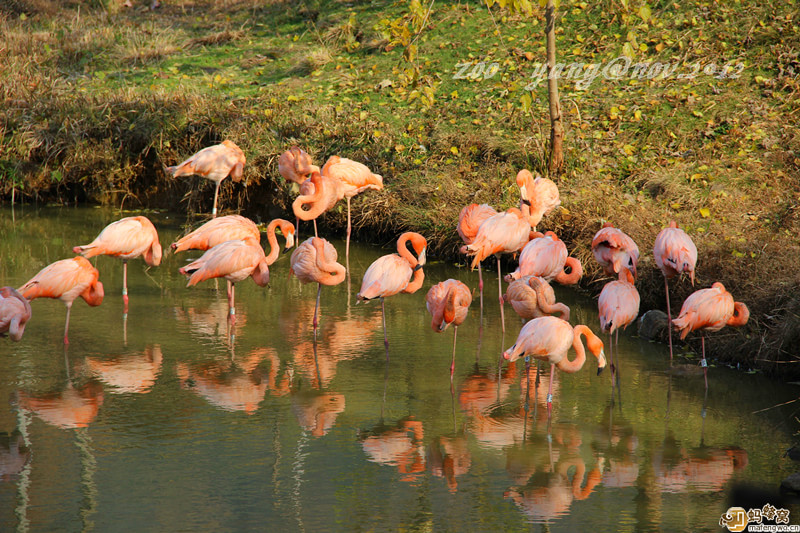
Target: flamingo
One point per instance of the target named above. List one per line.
(710, 310)
(548, 339)
(546, 256)
(214, 163)
(394, 273)
(613, 249)
(448, 303)
(533, 297)
(326, 192)
(127, 238)
(541, 194)
(232, 260)
(15, 311)
(66, 280)
(355, 178)
(619, 306)
(469, 220)
(295, 165)
(315, 261)
(674, 253)
(216, 231)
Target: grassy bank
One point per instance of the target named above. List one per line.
(97, 98)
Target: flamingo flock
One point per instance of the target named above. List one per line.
(232, 251)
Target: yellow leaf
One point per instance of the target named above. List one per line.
(676, 205)
(292, 98)
(454, 150)
(704, 212)
(697, 113)
(362, 115)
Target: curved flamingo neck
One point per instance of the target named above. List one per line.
(741, 314)
(272, 239)
(416, 281)
(576, 271)
(402, 250)
(315, 199)
(565, 365)
(450, 306)
(336, 271)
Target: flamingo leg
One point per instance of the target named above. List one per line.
(231, 297)
(669, 320)
(125, 286)
(703, 362)
(500, 293)
(216, 194)
(316, 309)
(550, 390)
(616, 344)
(315, 228)
(66, 324)
(453, 362)
(347, 244)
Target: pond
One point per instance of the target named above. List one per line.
(164, 420)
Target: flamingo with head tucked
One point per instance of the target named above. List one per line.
(216, 231)
(710, 310)
(214, 163)
(127, 238)
(675, 253)
(448, 303)
(315, 261)
(541, 194)
(546, 256)
(295, 165)
(15, 311)
(533, 297)
(355, 178)
(549, 339)
(614, 250)
(619, 306)
(395, 273)
(66, 280)
(326, 192)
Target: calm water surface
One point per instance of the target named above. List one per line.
(165, 422)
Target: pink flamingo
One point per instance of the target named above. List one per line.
(295, 165)
(619, 306)
(710, 310)
(127, 238)
(355, 178)
(541, 194)
(613, 249)
(314, 261)
(216, 231)
(394, 273)
(214, 163)
(326, 192)
(15, 311)
(469, 220)
(546, 256)
(674, 253)
(66, 280)
(448, 303)
(533, 297)
(548, 339)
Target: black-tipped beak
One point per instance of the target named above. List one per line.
(600, 370)
(418, 267)
(526, 202)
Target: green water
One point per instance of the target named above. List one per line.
(164, 421)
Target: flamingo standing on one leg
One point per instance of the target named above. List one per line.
(674, 252)
(614, 250)
(619, 306)
(66, 280)
(127, 238)
(395, 273)
(315, 261)
(469, 221)
(214, 163)
(533, 297)
(448, 303)
(355, 178)
(326, 192)
(15, 311)
(710, 310)
(548, 339)
(541, 194)
(546, 256)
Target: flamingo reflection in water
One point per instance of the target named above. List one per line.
(678, 470)
(449, 457)
(73, 407)
(483, 389)
(133, 373)
(14, 455)
(400, 446)
(316, 411)
(209, 320)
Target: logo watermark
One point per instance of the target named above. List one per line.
(618, 68)
(736, 519)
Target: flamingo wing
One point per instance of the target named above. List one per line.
(618, 305)
(675, 252)
(65, 279)
(232, 260)
(356, 177)
(218, 230)
(708, 309)
(126, 238)
(386, 276)
(503, 232)
(470, 220)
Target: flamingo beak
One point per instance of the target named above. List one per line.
(421, 259)
(289, 242)
(523, 192)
